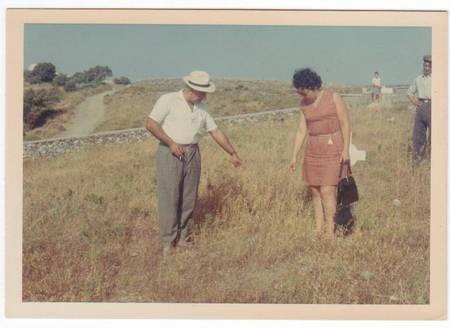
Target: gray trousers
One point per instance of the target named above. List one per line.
(177, 185)
(422, 122)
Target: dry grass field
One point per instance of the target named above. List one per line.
(90, 228)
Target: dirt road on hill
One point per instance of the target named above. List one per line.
(88, 115)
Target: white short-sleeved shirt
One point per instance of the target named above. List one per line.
(376, 81)
(421, 87)
(179, 122)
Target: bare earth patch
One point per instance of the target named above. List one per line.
(90, 113)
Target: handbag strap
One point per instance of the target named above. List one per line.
(349, 170)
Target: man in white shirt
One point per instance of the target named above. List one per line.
(178, 120)
(419, 93)
(376, 87)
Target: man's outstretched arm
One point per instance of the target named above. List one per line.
(222, 140)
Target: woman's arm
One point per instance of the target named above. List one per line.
(342, 113)
(298, 142)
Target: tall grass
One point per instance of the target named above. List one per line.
(91, 229)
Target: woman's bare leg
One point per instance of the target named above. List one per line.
(318, 208)
(328, 195)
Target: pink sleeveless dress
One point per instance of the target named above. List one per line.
(325, 142)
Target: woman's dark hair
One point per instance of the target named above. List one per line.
(306, 78)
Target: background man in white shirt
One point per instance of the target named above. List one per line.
(376, 88)
(178, 120)
(419, 94)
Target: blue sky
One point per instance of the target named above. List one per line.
(347, 55)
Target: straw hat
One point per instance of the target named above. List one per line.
(199, 80)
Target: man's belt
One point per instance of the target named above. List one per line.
(425, 100)
(193, 145)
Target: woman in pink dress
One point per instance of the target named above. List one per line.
(324, 118)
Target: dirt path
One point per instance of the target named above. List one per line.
(88, 115)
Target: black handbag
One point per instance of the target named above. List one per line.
(343, 218)
(347, 192)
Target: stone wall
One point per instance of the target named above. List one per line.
(51, 147)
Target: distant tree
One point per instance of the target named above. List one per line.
(30, 78)
(122, 80)
(92, 75)
(70, 86)
(42, 72)
(60, 80)
(97, 73)
(79, 77)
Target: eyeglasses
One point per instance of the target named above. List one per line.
(199, 94)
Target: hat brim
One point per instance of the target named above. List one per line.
(209, 89)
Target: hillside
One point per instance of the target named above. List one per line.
(128, 106)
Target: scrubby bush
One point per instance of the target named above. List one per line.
(33, 79)
(38, 106)
(122, 80)
(78, 77)
(60, 80)
(70, 86)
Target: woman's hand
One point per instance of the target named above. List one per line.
(292, 165)
(345, 156)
